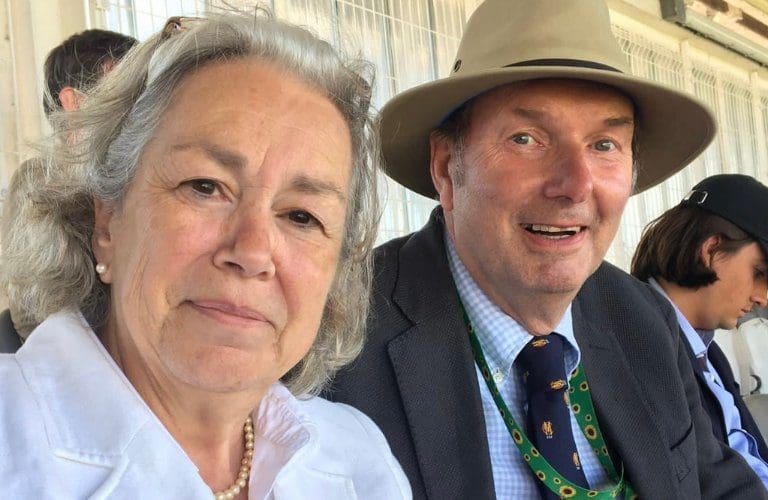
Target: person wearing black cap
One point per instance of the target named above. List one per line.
(708, 256)
(501, 308)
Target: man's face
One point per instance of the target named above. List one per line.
(742, 283)
(545, 174)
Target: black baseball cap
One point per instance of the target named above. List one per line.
(740, 199)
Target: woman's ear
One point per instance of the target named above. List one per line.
(709, 249)
(102, 242)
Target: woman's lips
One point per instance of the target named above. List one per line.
(228, 312)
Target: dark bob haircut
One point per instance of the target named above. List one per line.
(79, 61)
(670, 247)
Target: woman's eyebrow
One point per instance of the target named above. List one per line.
(311, 185)
(221, 155)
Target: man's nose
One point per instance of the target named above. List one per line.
(572, 176)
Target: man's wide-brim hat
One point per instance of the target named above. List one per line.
(507, 41)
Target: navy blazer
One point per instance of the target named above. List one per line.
(711, 404)
(416, 378)
(9, 337)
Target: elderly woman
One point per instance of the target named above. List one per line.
(196, 256)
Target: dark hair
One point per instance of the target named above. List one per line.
(670, 246)
(79, 60)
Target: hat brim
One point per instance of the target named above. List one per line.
(674, 127)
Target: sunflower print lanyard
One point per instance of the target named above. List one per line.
(582, 408)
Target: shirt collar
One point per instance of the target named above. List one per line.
(699, 340)
(501, 337)
(65, 357)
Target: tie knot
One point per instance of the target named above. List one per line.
(543, 363)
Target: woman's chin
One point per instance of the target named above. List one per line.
(223, 369)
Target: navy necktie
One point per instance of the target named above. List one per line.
(548, 420)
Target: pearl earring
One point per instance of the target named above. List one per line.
(101, 268)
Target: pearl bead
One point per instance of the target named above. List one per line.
(245, 469)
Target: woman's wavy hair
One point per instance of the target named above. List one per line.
(48, 262)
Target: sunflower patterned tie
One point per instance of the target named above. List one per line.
(548, 420)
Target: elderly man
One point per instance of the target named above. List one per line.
(709, 257)
(505, 359)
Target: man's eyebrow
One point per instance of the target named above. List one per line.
(529, 113)
(220, 155)
(619, 121)
(533, 114)
(311, 185)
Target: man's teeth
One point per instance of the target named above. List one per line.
(553, 231)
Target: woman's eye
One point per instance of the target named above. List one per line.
(605, 145)
(303, 218)
(522, 139)
(203, 186)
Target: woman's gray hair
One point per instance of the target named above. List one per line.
(48, 263)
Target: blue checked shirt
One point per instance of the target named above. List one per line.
(502, 339)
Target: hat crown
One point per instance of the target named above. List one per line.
(502, 33)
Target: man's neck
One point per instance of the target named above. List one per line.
(686, 300)
(539, 314)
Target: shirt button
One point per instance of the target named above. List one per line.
(498, 376)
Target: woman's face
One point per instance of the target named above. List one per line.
(222, 254)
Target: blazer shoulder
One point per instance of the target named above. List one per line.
(610, 281)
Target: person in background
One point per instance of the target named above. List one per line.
(504, 358)
(708, 257)
(194, 272)
(71, 69)
(76, 65)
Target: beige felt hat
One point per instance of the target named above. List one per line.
(508, 41)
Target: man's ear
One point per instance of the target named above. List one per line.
(70, 99)
(708, 249)
(440, 158)
(102, 241)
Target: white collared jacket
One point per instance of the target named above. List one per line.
(73, 427)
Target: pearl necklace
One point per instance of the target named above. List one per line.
(245, 468)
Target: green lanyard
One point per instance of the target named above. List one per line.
(581, 405)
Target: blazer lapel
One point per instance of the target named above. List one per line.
(625, 420)
(436, 375)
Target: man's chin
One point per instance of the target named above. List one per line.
(562, 280)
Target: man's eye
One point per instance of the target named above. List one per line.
(605, 145)
(204, 186)
(522, 139)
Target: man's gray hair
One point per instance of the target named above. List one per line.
(48, 263)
